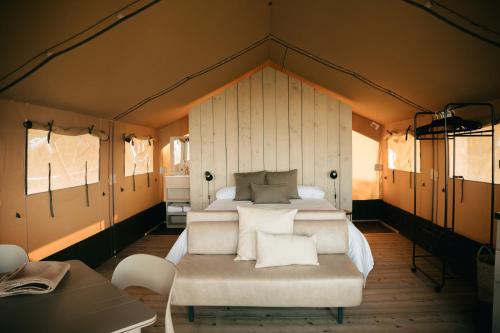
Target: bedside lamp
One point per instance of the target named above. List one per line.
(334, 175)
(208, 177)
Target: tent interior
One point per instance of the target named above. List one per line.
(122, 123)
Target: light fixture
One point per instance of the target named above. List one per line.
(334, 175)
(208, 177)
(374, 125)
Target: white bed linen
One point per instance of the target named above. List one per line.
(359, 250)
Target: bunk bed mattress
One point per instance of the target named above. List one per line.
(359, 249)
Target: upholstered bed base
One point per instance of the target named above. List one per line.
(209, 275)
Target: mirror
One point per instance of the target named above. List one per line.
(179, 155)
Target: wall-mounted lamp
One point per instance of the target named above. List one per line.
(374, 125)
(334, 175)
(208, 177)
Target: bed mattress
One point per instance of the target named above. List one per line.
(300, 204)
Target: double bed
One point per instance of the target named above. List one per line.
(359, 250)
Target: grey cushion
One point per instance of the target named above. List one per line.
(262, 194)
(285, 177)
(243, 181)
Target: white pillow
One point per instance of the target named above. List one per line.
(252, 219)
(283, 250)
(226, 193)
(310, 192)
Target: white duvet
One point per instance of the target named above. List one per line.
(359, 250)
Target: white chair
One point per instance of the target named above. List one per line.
(147, 271)
(11, 257)
(144, 270)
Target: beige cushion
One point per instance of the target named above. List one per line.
(243, 181)
(332, 236)
(276, 221)
(262, 194)
(226, 215)
(212, 238)
(283, 250)
(221, 237)
(285, 177)
(218, 280)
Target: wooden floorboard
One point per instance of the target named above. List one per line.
(394, 300)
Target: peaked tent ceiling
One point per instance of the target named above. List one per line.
(390, 42)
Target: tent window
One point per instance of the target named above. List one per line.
(67, 156)
(473, 157)
(400, 152)
(138, 156)
(365, 178)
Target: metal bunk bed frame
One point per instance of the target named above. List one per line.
(446, 135)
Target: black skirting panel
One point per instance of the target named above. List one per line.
(98, 248)
(367, 209)
(459, 251)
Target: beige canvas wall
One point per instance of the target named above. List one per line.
(366, 153)
(270, 121)
(472, 216)
(35, 230)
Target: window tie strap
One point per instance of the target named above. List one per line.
(147, 171)
(51, 206)
(27, 125)
(462, 178)
(50, 125)
(133, 178)
(407, 130)
(462, 195)
(86, 185)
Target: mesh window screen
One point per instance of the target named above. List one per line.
(400, 152)
(473, 157)
(138, 156)
(67, 156)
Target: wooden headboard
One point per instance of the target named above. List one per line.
(271, 121)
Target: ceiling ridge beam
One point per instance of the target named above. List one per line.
(289, 46)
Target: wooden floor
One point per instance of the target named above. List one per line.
(394, 300)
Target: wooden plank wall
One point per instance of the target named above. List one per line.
(274, 122)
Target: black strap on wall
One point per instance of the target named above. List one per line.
(27, 125)
(147, 170)
(407, 130)
(50, 124)
(86, 185)
(393, 177)
(462, 185)
(133, 178)
(51, 206)
(462, 194)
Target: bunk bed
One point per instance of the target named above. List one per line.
(456, 120)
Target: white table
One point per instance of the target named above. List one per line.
(84, 301)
